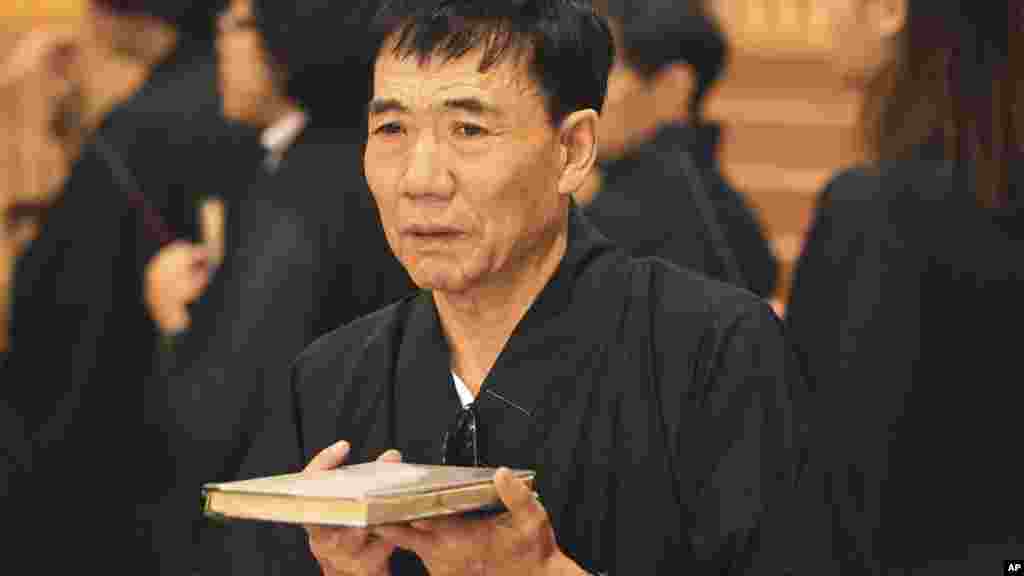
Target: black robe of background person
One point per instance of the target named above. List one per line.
(305, 253)
(653, 403)
(175, 141)
(78, 450)
(647, 204)
(82, 342)
(904, 307)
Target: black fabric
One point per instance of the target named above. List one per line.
(460, 445)
(84, 409)
(175, 142)
(305, 253)
(73, 388)
(648, 204)
(903, 306)
(653, 404)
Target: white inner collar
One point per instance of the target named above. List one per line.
(465, 396)
(279, 136)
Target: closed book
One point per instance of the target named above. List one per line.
(359, 495)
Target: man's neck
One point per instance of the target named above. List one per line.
(478, 323)
(162, 41)
(114, 78)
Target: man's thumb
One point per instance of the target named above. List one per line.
(392, 456)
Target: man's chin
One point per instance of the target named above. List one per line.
(444, 284)
(439, 277)
(235, 109)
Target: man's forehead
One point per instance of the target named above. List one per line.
(400, 75)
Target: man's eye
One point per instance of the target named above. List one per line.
(389, 129)
(469, 130)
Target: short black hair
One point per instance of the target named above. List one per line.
(570, 47)
(658, 33)
(322, 50)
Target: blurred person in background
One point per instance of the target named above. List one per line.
(908, 287)
(177, 155)
(113, 266)
(657, 189)
(40, 101)
(73, 252)
(170, 131)
(305, 253)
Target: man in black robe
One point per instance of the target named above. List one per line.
(305, 253)
(82, 337)
(174, 141)
(658, 190)
(898, 324)
(81, 345)
(652, 402)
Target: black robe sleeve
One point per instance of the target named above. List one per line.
(730, 432)
(82, 342)
(242, 547)
(854, 317)
(746, 236)
(746, 444)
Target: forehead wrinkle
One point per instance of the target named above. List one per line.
(429, 84)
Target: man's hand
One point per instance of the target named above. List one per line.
(177, 276)
(520, 541)
(348, 551)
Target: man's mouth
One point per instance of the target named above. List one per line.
(432, 231)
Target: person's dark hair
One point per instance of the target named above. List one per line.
(193, 19)
(569, 47)
(322, 50)
(657, 33)
(955, 86)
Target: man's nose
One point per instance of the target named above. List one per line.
(428, 174)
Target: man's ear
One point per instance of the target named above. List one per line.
(578, 145)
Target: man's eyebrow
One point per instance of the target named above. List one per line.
(383, 106)
(473, 106)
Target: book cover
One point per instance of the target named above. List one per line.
(358, 495)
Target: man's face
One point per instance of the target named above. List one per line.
(629, 108)
(122, 35)
(247, 84)
(859, 50)
(464, 166)
(42, 105)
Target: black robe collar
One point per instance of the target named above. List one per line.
(424, 393)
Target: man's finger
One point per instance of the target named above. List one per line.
(376, 552)
(422, 525)
(406, 537)
(392, 456)
(329, 458)
(211, 217)
(174, 320)
(440, 524)
(349, 540)
(521, 502)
